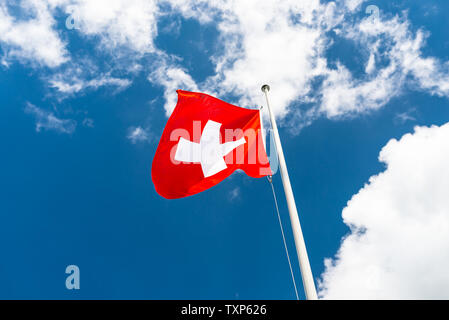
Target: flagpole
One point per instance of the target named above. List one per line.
(306, 271)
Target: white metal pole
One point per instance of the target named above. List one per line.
(306, 271)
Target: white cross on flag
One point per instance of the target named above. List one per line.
(204, 141)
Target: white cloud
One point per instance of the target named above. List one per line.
(172, 78)
(279, 43)
(33, 39)
(285, 43)
(234, 194)
(48, 121)
(390, 40)
(342, 95)
(353, 4)
(282, 43)
(88, 122)
(76, 85)
(138, 134)
(403, 117)
(398, 247)
(127, 23)
(118, 24)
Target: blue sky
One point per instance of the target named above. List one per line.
(82, 111)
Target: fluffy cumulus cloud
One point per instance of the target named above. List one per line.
(273, 42)
(398, 247)
(280, 43)
(398, 243)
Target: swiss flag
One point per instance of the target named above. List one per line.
(204, 141)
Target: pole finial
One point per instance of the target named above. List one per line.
(265, 88)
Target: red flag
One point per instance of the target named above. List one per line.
(204, 141)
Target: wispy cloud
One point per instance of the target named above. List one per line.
(88, 122)
(403, 117)
(76, 85)
(32, 40)
(171, 78)
(285, 44)
(48, 121)
(234, 194)
(138, 134)
(401, 48)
